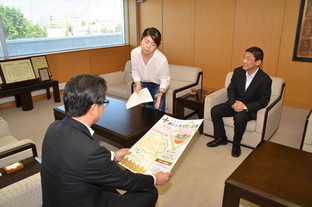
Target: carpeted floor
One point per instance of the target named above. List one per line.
(198, 177)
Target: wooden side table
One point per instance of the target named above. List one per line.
(194, 102)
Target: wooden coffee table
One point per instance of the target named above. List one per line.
(272, 175)
(120, 125)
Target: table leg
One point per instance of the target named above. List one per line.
(201, 116)
(18, 100)
(26, 101)
(180, 111)
(48, 93)
(56, 93)
(229, 200)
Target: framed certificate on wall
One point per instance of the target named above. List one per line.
(17, 70)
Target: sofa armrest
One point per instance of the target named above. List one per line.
(198, 82)
(199, 78)
(217, 97)
(307, 133)
(271, 116)
(114, 78)
(130, 85)
(17, 151)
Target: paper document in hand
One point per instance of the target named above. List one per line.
(137, 98)
(160, 148)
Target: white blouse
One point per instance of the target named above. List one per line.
(155, 71)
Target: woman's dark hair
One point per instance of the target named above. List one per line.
(257, 52)
(81, 92)
(154, 33)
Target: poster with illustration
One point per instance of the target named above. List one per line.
(160, 148)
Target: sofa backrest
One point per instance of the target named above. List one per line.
(177, 72)
(183, 73)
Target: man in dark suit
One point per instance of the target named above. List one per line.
(248, 92)
(77, 171)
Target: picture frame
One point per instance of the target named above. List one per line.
(44, 74)
(17, 71)
(38, 63)
(303, 41)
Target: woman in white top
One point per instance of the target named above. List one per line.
(150, 68)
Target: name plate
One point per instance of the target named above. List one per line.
(13, 167)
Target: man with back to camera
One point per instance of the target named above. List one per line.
(248, 92)
(77, 171)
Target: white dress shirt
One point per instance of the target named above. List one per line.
(249, 78)
(155, 71)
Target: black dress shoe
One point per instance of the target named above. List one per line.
(217, 142)
(236, 151)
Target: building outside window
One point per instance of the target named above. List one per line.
(33, 27)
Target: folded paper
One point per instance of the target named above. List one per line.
(143, 96)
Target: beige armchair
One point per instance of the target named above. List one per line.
(268, 118)
(306, 143)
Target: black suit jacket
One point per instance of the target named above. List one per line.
(257, 95)
(75, 167)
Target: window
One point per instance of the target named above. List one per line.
(33, 27)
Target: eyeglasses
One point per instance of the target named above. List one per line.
(106, 102)
(248, 58)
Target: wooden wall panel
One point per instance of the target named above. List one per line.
(107, 60)
(213, 40)
(123, 56)
(297, 75)
(178, 31)
(52, 66)
(133, 23)
(70, 64)
(258, 24)
(99, 61)
(104, 60)
(150, 14)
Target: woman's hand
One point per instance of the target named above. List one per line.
(137, 87)
(158, 96)
(157, 104)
